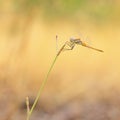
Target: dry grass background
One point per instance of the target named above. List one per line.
(83, 83)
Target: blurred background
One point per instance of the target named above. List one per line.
(84, 84)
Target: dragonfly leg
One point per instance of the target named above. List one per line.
(71, 45)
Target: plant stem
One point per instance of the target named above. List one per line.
(41, 88)
(43, 83)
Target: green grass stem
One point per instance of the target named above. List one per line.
(41, 88)
(43, 83)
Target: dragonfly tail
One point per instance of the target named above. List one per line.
(85, 45)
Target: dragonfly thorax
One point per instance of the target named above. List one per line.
(75, 40)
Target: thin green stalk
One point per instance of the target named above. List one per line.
(43, 83)
(42, 87)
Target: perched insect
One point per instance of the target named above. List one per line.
(74, 41)
(71, 44)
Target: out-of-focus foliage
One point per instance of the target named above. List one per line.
(58, 7)
(98, 10)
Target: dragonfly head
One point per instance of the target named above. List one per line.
(72, 39)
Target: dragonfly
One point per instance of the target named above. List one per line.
(77, 41)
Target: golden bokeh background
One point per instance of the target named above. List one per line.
(28, 46)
